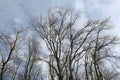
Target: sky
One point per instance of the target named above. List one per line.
(19, 12)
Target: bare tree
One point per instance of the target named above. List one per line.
(14, 68)
(73, 51)
(73, 54)
(32, 71)
(8, 48)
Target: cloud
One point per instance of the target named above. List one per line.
(114, 11)
(13, 12)
(100, 9)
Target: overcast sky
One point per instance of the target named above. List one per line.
(14, 12)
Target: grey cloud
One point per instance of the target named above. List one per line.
(13, 11)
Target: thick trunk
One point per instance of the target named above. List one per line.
(60, 77)
(2, 72)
